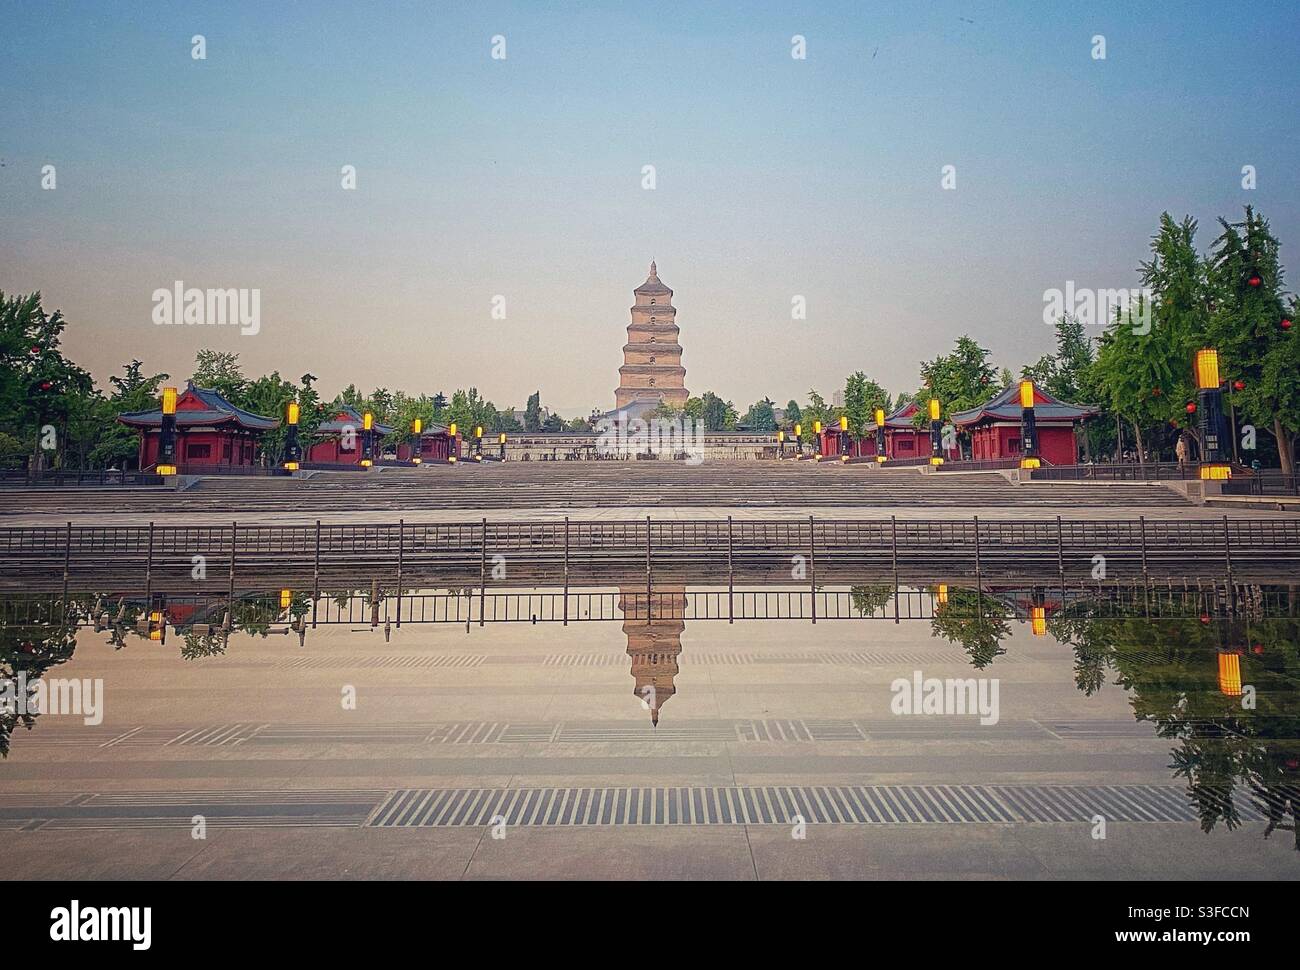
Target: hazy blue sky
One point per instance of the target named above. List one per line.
(522, 177)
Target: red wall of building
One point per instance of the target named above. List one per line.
(200, 448)
(1055, 443)
(331, 452)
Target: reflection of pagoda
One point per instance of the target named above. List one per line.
(655, 644)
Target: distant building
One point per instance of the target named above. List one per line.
(652, 368)
(343, 438)
(210, 432)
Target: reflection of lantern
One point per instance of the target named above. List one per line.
(1230, 674)
(1038, 621)
(942, 594)
(286, 598)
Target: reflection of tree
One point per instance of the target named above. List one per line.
(1171, 667)
(45, 638)
(1078, 626)
(977, 621)
(869, 600)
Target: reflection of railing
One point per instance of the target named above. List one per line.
(384, 607)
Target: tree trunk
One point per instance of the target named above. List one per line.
(1283, 446)
(1137, 434)
(1119, 440)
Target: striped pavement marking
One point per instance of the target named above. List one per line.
(656, 806)
(780, 805)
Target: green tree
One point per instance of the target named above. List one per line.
(793, 414)
(220, 371)
(718, 415)
(39, 387)
(533, 412)
(861, 398)
(1245, 327)
(961, 380)
(761, 417)
(117, 445)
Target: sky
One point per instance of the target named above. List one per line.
(522, 178)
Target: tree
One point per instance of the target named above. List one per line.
(761, 417)
(116, 444)
(718, 415)
(533, 412)
(961, 380)
(817, 410)
(861, 398)
(1143, 369)
(1245, 327)
(1068, 375)
(793, 415)
(220, 371)
(39, 387)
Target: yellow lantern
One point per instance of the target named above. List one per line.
(1207, 369)
(1026, 394)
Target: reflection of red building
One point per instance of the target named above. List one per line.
(210, 432)
(343, 437)
(436, 444)
(995, 427)
(653, 644)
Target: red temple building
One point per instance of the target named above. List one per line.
(903, 439)
(343, 437)
(437, 444)
(995, 427)
(211, 433)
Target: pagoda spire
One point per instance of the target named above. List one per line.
(654, 273)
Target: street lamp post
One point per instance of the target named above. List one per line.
(1210, 416)
(166, 463)
(936, 433)
(292, 451)
(367, 439)
(1028, 427)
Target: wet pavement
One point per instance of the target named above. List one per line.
(1014, 731)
